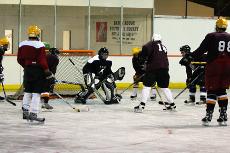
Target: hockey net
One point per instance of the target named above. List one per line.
(69, 76)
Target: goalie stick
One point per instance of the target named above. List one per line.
(74, 108)
(9, 101)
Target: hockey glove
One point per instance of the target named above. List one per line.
(50, 78)
(186, 60)
(188, 80)
(143, 67)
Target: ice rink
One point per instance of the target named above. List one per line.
(113, 129)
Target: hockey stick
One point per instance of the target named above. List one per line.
(138, 79)
(17, 95)
(75, 66)
(99, 94)
(9, 101)
(189, 85)
(161, 102)
(74, 108)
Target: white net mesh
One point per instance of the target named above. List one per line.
(67, 72)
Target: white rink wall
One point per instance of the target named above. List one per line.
(13, 71)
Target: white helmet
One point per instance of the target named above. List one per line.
(156, 37)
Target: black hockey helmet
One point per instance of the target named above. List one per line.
(103, 53)
(185, 48)
(54, 51)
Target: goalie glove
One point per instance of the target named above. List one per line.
(50, 78)
(119, 74)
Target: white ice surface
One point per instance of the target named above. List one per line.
(113, 129)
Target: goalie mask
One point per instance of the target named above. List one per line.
(103, 53)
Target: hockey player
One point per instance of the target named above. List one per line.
(97, 73)
(217, 76)
(139, 74)
(4, 43)
(53, 61)
(156, 65)
(32, 57)
(195, 76)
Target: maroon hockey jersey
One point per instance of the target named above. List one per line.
(155, 54)
(214, 44)
(32, 53)
(217, 46)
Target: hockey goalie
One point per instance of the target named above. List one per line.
(98, 74)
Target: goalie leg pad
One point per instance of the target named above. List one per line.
(111, 98)
(82, 96)
(88, 78)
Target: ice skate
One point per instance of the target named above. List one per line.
(139, 108)
(119, 96)
(170, 106)
(207, 119)
(189, 101)
(153, 97)
(47, 106)
(223, 117)
(80, 100)
(25, 114)
(33, 117)
(133, 97)
(201, 102)
(2, 99)
(113, 101)
(81, 97)
(163, 103)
